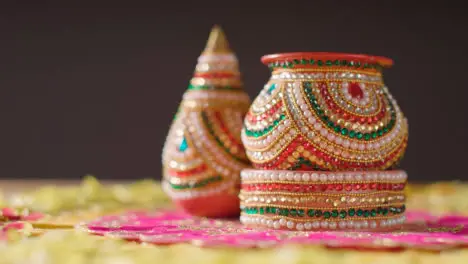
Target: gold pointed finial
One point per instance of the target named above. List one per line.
(217, 42)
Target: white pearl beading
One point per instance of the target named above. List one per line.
(306, 112)
(265, 155)
(217, 58)
(326, 76)
(186, 164)
(251, 175)
(265, 142)
(173, 140)
(193, 193)
(264, 123)
(264, 101)
(321, 224)
(365, 91)
(213, 154)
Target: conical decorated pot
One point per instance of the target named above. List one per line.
(203, 154)
(325, 111)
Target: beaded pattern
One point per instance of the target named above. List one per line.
(203, 153)
(331, 118)
(327, 200)
(313, 62)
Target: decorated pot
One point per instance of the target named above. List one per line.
(203, 154)
(325, 111)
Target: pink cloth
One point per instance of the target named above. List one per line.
(422, 230)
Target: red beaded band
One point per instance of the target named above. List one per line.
(303, 200)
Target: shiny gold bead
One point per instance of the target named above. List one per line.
(291, 159)
(296, 154)
(306, 154)
(343, 199)
(300, 149)
(234, 150)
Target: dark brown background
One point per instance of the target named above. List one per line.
(93, 89)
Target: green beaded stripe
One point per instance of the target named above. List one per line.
(209, 126)
(259, 133)
(198, 184)
(324, 63)
(344, 131)
(305, 162)
(212, 87)
(313, 213)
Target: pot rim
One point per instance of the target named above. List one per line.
(383, 61)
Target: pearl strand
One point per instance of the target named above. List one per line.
(320, 225)
(251, 175)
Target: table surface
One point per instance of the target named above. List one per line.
(13, 185)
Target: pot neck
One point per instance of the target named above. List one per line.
(324, 61)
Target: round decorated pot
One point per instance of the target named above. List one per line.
(325, 111)
(203, 154)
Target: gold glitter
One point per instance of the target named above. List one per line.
(295, 154)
